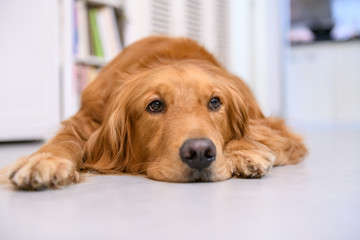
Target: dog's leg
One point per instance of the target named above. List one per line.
(268, 142)
(249, 158)
(274, 134)
(55, 163)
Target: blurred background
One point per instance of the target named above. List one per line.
(301, 58)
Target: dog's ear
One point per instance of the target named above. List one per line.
(108, 149)
(237, 112)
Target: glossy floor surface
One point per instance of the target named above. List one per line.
(317, 199)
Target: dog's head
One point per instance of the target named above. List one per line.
(171, 123)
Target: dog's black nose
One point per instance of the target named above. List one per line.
(198, 153)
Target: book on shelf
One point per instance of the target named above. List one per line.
(95, 34)
(83, 75)
(109, 33)
(82, 45)
(97, 31)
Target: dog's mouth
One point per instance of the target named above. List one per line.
(204, 175)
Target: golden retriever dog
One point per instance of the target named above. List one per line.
(166, 108)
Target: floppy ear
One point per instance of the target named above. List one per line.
(108, 150)
(238, 116)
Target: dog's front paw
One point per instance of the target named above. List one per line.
(249, 159)
(43, 170)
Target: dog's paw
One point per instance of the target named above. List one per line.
(253, 161)
(252, 164)
(43, 170)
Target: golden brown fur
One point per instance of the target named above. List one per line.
(113, 132)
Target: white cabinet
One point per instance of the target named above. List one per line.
(322, 85)
(29, 68)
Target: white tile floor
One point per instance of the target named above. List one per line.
(317, 199)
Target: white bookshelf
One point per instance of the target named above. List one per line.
(206, 21)
(69, 95)
(110, 3)
(90, 60)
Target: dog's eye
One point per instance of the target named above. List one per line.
(155, 107)
(214, 104)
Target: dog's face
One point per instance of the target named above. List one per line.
(176, 121)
